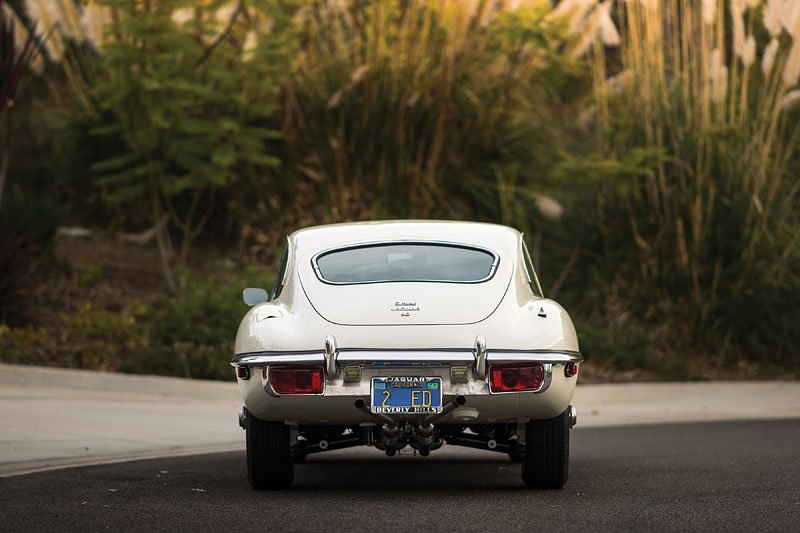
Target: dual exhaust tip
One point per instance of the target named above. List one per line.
(459, 400)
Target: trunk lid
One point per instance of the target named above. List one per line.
(397, 303)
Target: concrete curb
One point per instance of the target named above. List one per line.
(94, 381)
(659, 403)
(58, 418)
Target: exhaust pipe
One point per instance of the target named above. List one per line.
(390, 429)
(460, 400)
(361, 405)
(426, 426)
(431, 418)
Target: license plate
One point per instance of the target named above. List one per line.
(406, 395)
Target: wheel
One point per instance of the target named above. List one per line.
(298, 454)
(269, 459)
(545, 463)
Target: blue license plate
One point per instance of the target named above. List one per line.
(406, 395)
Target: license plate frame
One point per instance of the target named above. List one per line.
(406, 395)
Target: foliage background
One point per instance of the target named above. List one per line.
(648, 150)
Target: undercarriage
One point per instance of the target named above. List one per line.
(503, 438)
(391, 436)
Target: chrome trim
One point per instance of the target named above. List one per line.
(420, 355)
(366, 244)
(391, 350)
(399, 356)
(265, 382)
(279, 358)
(534, 356)
(480, 357)
(527, 255)
(280, 283)
(573, 416)
(330, 356)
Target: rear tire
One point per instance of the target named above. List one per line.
(269, 459)
(516, 453)
(545, 464)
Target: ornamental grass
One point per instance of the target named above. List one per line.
(700, 229)
(441, 109)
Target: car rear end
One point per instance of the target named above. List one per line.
(420, 341)
(322, 387)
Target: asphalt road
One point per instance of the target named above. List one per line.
(736, 476)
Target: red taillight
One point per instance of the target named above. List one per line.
(512, 378)
(571, 369)
(243, 372)
(297, 380)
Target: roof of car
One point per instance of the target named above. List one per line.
(492, 236)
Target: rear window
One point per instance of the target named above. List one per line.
(387, 262)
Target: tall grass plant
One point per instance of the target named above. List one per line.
(697, 228)
(426, 109)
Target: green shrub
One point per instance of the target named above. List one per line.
(194, 335)
(191, 337)
(622, 347)
(82, 338)
(31, 345)
(187, 116)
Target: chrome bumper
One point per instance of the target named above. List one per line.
(389, 359)
(345, 384)
(381, 360)
(427, 357)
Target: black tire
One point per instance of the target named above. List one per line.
(545, 464)
(298, 455)
(269, 459)
(515, 456)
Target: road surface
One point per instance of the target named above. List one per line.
(723, 476)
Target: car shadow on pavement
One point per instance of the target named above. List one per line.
(407, 474)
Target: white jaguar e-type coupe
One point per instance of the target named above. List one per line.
(406, 334)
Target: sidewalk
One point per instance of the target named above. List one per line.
(52, 418)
